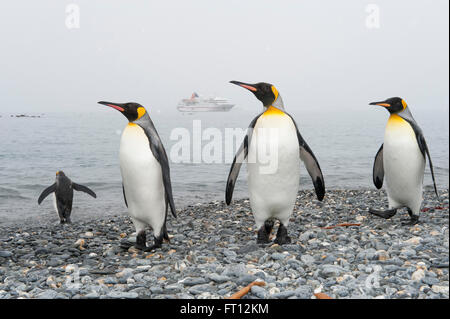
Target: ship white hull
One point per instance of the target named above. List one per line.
(221, 108)
(200, 104)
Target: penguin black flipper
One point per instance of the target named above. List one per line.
(378, 169)
(46, 192)
(84, 189)
(312, 165)
(159, 153)
(422, 146)
(124, 197)
(239, 158)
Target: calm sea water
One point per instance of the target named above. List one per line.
(86, 147)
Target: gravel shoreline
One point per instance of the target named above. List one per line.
(213, 254)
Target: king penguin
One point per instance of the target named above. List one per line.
(144, 166)
(62, 191)
(273, 187)
(401, 161)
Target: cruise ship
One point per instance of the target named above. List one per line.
(197, 103)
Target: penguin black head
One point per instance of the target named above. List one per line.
(393, 105)
(132, 111)
(265, 92)
(60, 174)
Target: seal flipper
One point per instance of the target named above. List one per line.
(46, 192)
(82, 188)
(386, 214)
(378, 169)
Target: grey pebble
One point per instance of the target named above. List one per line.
(212, 254)
(218, 278)
(5, 253)
(259, 292)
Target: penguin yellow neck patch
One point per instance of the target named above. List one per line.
(396, 124)
(141, 111)
(395, 120)
(271, 110)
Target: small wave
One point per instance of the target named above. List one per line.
(34, 186)
(10, 196)
(9, 193)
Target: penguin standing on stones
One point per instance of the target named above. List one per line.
(401, 161)
(62, 191)
(273, 182)
(144, 166)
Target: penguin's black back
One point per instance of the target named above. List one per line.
(64, 189)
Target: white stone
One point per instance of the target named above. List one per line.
(414, 241)
(274, 290)
(440, 289)
(418, 275)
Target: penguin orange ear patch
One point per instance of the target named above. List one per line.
(404, 104)
(141, 111)
(275, 92)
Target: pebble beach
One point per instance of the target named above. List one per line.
(337, 249)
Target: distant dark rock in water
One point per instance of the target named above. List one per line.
(25, 115)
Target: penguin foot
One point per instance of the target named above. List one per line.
(264, 232)
(157, 244)
(386, 214)
(413, 221)
(282, 236)
(263, 236)
(141, 239)
(268, 225)
(150, 248)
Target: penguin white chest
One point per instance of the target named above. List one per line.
(55, 205)
(142, 177)
(273, 164)
(403, 162)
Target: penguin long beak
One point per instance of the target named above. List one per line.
(247, 86)
(380, 104)
(117, 106)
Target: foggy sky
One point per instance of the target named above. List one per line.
(319, 54)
